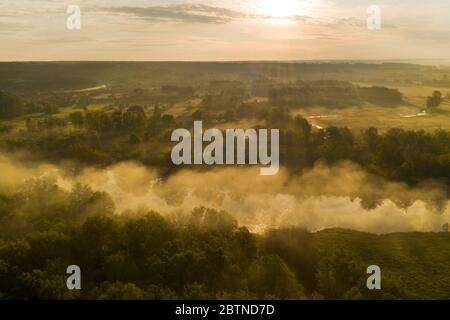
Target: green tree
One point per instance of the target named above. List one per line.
(76, 118)
(270, 277)
(10, 105)
(135, 120)
(121, 291)
(435, 100)
(337, 273)
(445, 227)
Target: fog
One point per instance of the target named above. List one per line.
(340, 196)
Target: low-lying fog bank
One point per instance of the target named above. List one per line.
(343, 195)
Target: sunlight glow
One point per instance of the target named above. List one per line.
(280, 8)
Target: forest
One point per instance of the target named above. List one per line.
(87, 179)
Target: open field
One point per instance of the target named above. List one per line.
(407, 116)
(359, 118)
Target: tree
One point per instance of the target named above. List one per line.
(77, 118)
(445, 227)
(195, 291)
(10, 105)
(121, 291)
(135, 120)
(371, 139)
(435, 100)
(210, 219)
(168, 120)
(270, 277)
(134, 139)
(84, 203)
(337, 273)
(148, 235)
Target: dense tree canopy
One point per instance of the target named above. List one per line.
(45, 229)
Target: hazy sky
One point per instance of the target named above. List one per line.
(224, 30)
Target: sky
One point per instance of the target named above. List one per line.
(223, 30)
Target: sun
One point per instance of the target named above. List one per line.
(280, 8)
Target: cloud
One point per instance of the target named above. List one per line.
(427, 36)
(332, 22)
(192, 13)
(13, 27)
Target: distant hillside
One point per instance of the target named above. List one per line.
(79, 75)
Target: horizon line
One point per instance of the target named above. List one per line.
(231, 61)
